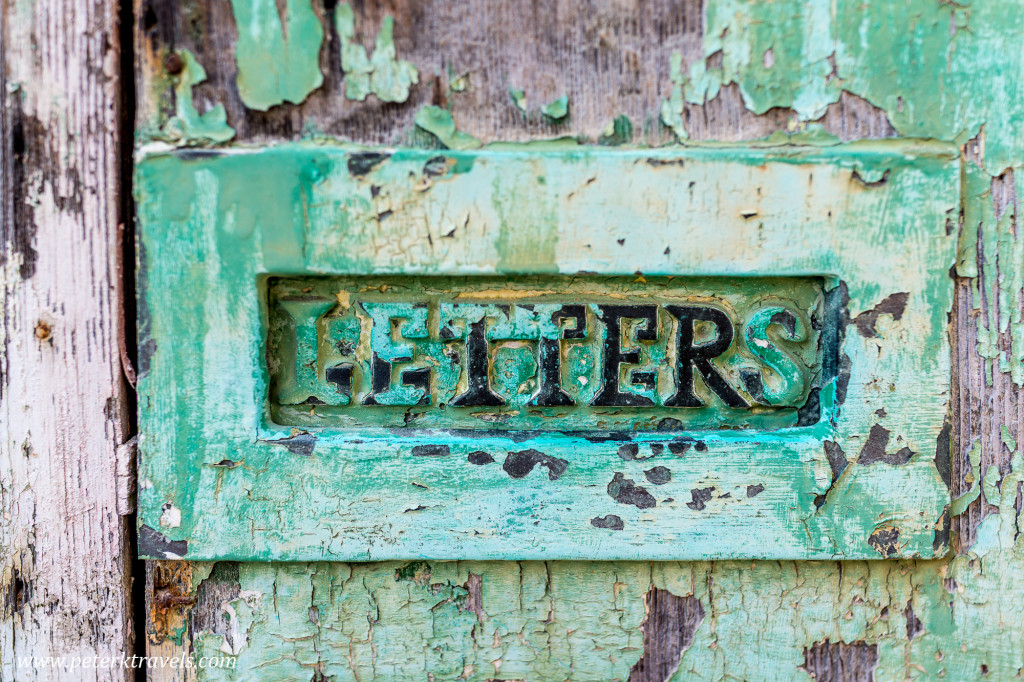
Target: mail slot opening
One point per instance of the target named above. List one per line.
(548, 353)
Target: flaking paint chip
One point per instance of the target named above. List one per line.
(171, 516)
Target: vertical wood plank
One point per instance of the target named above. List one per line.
(610, 64)
(64, 548)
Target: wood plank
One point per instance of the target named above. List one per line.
(763, 618)
(64, 545)
(611, 59)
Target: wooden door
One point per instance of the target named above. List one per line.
(455, 75)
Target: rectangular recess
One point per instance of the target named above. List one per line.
(555, 352)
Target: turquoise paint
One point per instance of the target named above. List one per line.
(789, 383)
(303, 493)
(438, 122)
(557, 109)
(402, 325)
(277, 62)
(383, 74)
(188, 126)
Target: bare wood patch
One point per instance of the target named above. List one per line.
(828, 661)
(669, 630)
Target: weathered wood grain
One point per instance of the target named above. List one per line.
(840, 662)
(611, 59)
(64, 548)
(985, 399)
(669, 629)
(784, 618)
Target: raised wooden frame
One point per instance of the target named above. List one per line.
(218, 480)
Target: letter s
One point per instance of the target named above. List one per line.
(783, 364)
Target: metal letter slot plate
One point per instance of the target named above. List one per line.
(548, 353)
(354, 354)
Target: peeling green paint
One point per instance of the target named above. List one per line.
(480, 621)
(672, 108)
(277, 63)
(960, 504)
(383, 74)
(188, 126)
(779, 56)
(518, 98)
(399, 621)
(1008, 440)
(438, 122)
(1004, 286)
(306, 209)
(459, 83)
(618, 132)
(939, 70)
(951, 71)
(556, 109)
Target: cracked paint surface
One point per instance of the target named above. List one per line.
(579, 620)
(244, 216)
(946, 70)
